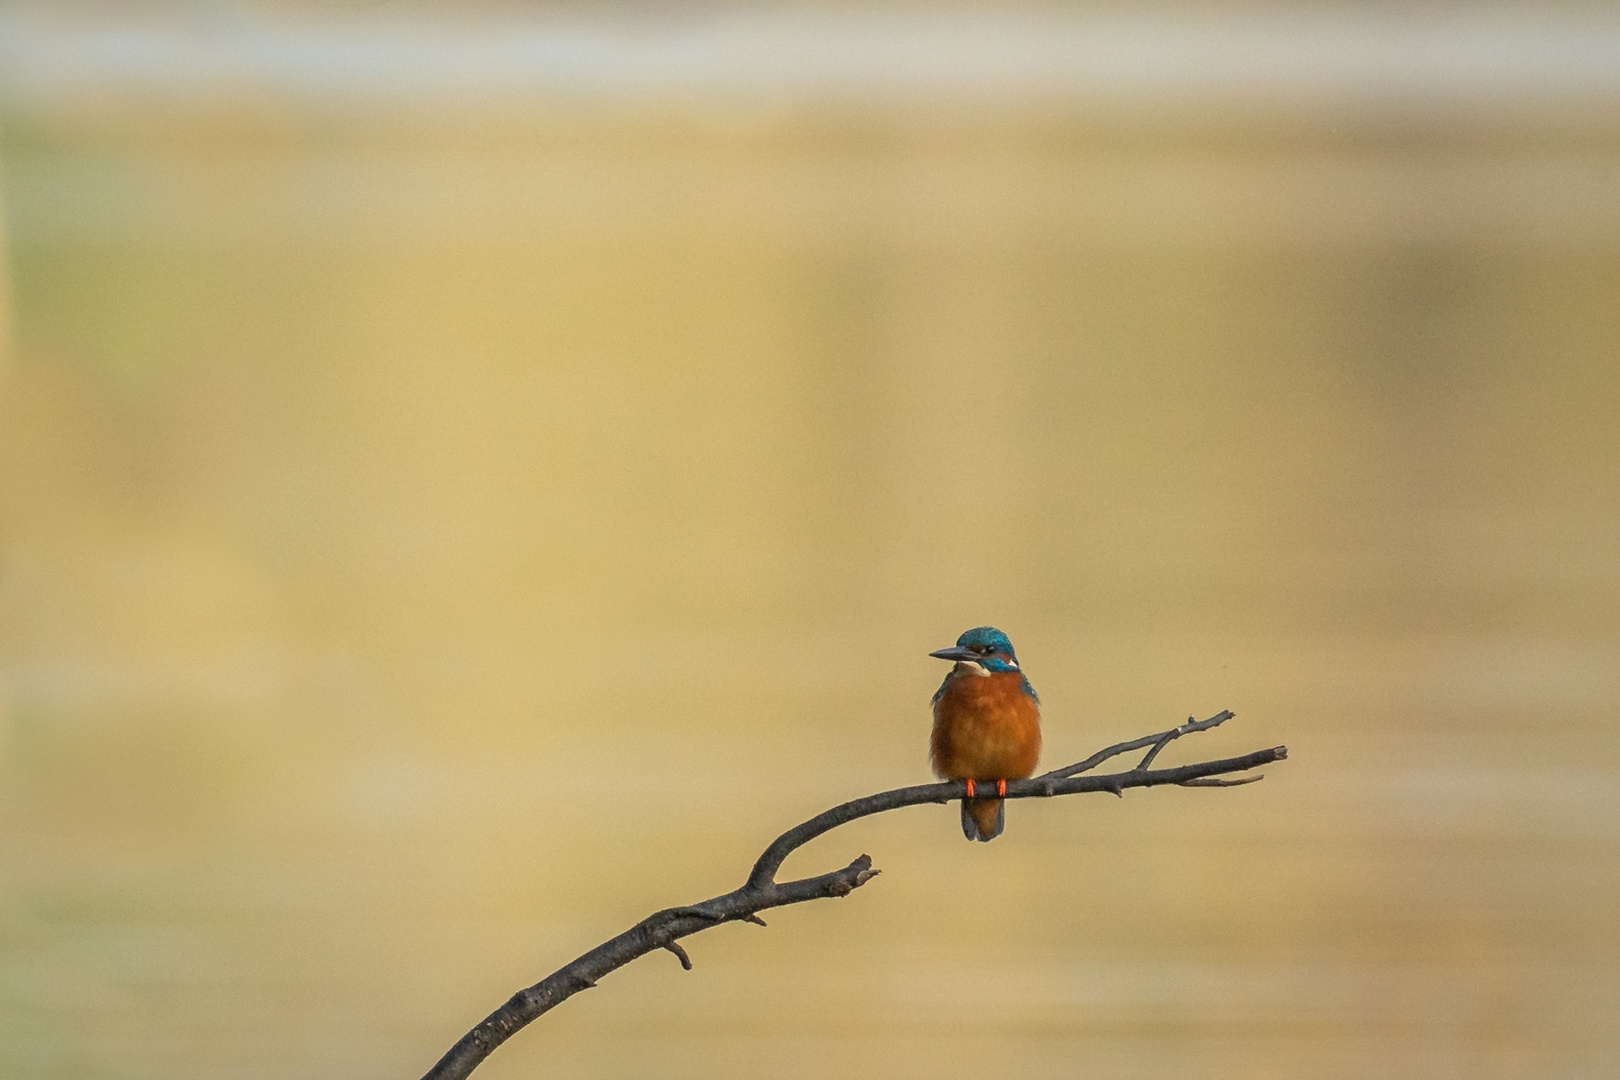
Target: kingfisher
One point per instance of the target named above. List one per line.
(987, 725)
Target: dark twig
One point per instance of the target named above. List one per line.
(762, 891)
(680, 954)
(1136, 744)
(1164, 740)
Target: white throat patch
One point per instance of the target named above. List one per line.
(975, 667)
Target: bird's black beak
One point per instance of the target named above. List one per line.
(956, 653)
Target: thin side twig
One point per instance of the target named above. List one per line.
(680, 954)
(762, 891)
(1164, 740)
(1126, 747)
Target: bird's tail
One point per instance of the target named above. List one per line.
(982, 819)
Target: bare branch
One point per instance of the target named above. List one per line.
(1136, 744)
(1164, 741)
(762, 891)
(1210, 781)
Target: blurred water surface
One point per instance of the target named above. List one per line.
(432, 539)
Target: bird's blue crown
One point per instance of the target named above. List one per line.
(988, 648)
(996, 646)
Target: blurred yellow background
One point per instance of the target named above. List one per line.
(468, 483)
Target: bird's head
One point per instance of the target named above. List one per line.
(984, 649)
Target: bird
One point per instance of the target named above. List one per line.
(987, 725)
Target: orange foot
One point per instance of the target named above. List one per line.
(970, 789)
(1001, 787)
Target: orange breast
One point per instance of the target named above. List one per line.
(986, 728)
